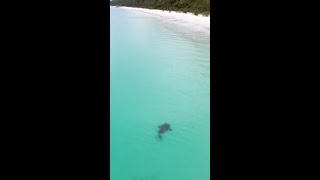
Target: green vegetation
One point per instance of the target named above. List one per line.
(194, 6)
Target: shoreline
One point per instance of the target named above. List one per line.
(190, 19)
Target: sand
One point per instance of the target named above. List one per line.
(199, 21)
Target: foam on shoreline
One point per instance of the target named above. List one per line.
(189, 19)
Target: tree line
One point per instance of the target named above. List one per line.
(194, 6)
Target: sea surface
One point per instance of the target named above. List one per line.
(159, 73)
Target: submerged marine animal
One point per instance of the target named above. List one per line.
(163, 128)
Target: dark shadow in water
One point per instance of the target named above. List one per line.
(163, 129)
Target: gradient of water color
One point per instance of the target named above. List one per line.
(160, 72)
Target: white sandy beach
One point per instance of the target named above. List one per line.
(202, 22)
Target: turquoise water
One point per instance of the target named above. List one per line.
(160, 72)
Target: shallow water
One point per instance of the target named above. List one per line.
(160, 72)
